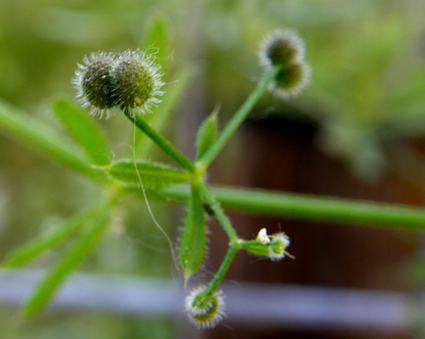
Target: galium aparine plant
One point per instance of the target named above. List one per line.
(131, 82)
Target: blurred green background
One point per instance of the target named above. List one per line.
(367, 93)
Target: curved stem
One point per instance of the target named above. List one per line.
(163, 143)
(237, 119)
(219, 276)
(218, 212)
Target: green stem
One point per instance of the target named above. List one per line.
(237, 120)
(310, 207)
(219, 276)
(218, 212)
(164, 144)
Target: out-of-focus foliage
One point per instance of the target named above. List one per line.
(368, 62)
(41, 43)
(367, 89)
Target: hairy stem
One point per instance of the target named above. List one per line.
(162, 143)
(218, 212)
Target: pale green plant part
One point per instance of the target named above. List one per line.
(154, 175)
(83, 246)
(207, 134)
(83, 130)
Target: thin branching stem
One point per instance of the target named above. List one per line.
(237, 119)
(219, 276)
(218, 212)
(162, 143)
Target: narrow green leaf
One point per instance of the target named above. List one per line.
(70, 261)
(194, 236)
(36, 247)
(157, 41)
(153, 175)
(43, 243)
(39, 137)
(83, 129)
(207, 134)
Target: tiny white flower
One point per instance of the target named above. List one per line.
(262, 236)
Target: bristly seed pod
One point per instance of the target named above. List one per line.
(128, 80)
(137, 81)
(94, 83)
(205, 310)
(285, 49)
(291, 80)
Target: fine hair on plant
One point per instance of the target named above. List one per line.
(130, 81)
(131, 85)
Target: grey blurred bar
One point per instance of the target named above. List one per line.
(289, 306)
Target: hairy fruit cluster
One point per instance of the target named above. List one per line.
(286, 50)
(127, 80)
(205, 310)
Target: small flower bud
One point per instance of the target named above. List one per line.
(137, 81)
(262, 236)
(205, 310)
(284, 47)
(94, 83)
